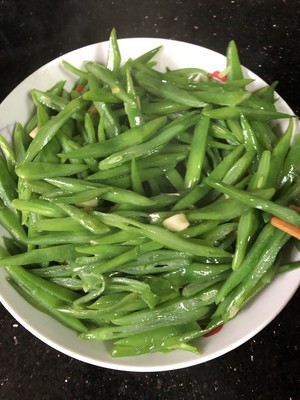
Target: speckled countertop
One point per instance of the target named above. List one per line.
(267, 34)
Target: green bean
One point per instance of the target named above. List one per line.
(260, 103)
(102, 249)
(24, 193)
(168, 90)
(60, 224)
(134, 135)
(8, 187)
(247, 227)
(220, 132)
(108, 303)
(219, 232)
(289, 195)
(201, 190)
(197, 153)
(161, 236)
(133, 110)
(264, 133)
(101, 95)
(194, 272)
(45, 295)
(9, 154)
(235, 127)
(165, 135)
(50, 239)
(107, 333)
(69, 145)
(49, 130)
(163, 107)
(175, 179)
(114, 56)
(69, 283)
(223, 208)
(58, 88)
(136, 181)
(291, 164)
(53, 193)
(50, 151)
(250, 139)
(107, 77)
(239, 295)
(159, 257)
(125, 181)
(122, 307)
(219, 145)
(115, 194)
(233, 62)
(88, 198)
(20, 142)
(135, 286)
(146, 57)
(11, 223)
(222, 98)
(199, 229)
(257, 250)
(111, 122)
(180, 77)
(199, 285)
(288, 267)
(38, 206)
(42, 114)
(161, 160)
(115, 237)
(160, 339)
(39, 170)
(13, 246)
(155, 268)
(250, 113)
(213, 85)
(239, 168)
(53, 102)
(190, 73)
(279, 153)
(84, 218)
(59, 270)
(36, 256)
(267, 92)
(260, 178)
(194, 306)
(89, 128)
(125, 257)
(252, 200)
(82, 74)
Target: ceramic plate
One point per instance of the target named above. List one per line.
(251, 320)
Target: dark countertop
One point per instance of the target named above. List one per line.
(267, 34)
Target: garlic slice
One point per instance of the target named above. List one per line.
(176, 223)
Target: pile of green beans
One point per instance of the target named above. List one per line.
(88, 183)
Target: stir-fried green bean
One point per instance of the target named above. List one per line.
(139, 203)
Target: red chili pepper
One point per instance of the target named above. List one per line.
(295, 208)
(214, 331)
(216, 75)
(79, 88)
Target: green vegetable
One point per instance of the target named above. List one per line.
(87, 198)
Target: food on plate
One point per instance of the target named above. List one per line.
(148, 207)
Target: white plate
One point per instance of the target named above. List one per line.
(16, 107)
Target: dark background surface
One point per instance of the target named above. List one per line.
(267, 34)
